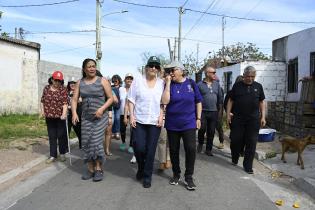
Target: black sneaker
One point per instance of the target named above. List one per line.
(87, 175)
(174, 180)
(98, 176)
(190, 185)
(209, 153)
(146, 184)
(249, 171)
(199, 148)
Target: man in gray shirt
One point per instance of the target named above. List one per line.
(211, 106)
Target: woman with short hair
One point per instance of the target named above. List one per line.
(183, 113)
(54, 109)
(146, 118)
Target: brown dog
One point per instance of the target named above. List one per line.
(297, 145)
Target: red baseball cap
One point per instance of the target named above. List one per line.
(57, 75)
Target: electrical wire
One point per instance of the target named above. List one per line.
(198, 20)
(184, 3)
(218, 15)
(59, 32)
(40, 5)
(146, 5)
(158, 36)
(251, 19)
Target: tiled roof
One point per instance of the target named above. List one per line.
(20, 42)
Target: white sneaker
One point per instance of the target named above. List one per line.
(133, 160)
(50, 160)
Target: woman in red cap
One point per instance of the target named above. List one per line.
(54, 109)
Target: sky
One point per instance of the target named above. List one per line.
(122, 42)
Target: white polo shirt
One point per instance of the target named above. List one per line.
(146, 100)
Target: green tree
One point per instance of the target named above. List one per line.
(3, 34)
(241, 52)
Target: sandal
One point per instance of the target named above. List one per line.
(108, 154)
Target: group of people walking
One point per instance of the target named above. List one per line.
(163, 107)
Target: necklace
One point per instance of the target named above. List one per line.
(178, 89)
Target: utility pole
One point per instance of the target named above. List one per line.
(197, 58)
(223, 26)
(169, 49)
(98, 49)
(180, 11)
(175, 47)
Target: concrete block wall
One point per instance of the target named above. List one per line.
(45, 70)
(272, 75)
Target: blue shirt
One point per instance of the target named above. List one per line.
(212, 95)
(181, 110)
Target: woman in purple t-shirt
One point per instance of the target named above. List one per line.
(183, 113)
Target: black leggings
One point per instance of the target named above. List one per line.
(123, 128)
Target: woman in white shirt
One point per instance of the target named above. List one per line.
(146, 118)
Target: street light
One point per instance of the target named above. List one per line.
(98, 32)
(111, 13)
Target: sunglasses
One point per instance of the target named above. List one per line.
(213, 72)
(115, 81)
(153, 65)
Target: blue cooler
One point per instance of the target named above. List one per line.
(266, 135)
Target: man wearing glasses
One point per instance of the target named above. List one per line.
(211, 106)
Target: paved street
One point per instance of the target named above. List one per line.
(220, 186)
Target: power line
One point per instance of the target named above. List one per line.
(59, 32)
(146, 5)
(185, 3)
(218, 15)
(40, 5)
(251, 19)
(198, 20)
(67, 50)
(158, 36)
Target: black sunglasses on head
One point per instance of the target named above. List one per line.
(154, 65)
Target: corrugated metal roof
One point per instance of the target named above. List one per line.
(21, 42)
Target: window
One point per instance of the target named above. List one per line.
(227, 81)
(293, 76)
(312, 66)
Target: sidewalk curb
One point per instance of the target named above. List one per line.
(307, 185)
(17, 171)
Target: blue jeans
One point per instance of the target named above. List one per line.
(116, 125)
(145, 139)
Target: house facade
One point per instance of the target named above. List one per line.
(23, 75)
(298, 52)
(18, 75)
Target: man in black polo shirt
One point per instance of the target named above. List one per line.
(247, 100)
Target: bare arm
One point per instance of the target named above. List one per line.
(199, 109)
(131, 114)
(74, 103)
(263, 113)
(229, 115)
(166, 93)
(109, 96)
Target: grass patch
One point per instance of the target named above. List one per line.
(22, 126)
(15, 126)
